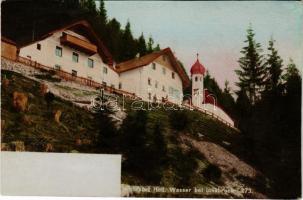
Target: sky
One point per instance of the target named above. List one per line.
(215, 30)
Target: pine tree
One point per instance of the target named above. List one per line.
(90, 5)
(273, 69)
(292, 79)
(114, 38)
(150, 44)
(157, 153)
(226, 87)
(102, 12)
(134, 141)
(128, 43)
(157, 48)
(251, 74)
(142, 49)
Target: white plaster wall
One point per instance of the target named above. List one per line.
(162, 79)
(47, 56)
(198, 98)
(131, 81)
(136, 81)
(217, 111)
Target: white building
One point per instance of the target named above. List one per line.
(201, 98)
(76, 49)
(158, 77)
(154, 77)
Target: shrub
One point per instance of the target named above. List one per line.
(179, 119)
(212, 173)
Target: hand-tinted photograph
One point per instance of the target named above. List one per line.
(191, 99)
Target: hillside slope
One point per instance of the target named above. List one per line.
(201, 152)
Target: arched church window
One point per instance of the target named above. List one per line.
(196, 79)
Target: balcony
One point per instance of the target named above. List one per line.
(78, 44)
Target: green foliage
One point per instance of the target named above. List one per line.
(142, 45)
(102, 12)
(184, 165)
(179, 119)
(273, 69)
(49, 99)
(74, 122)
(251, 73)
(134, 141)
(212, 173)
(48, 15)
(156, 154)
(107, 138)
(272, 125)
(224, 98)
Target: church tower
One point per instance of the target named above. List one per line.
(197, 77)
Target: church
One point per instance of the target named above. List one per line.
(74, 50)
(201, 97)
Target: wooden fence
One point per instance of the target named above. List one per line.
(88, 82)
(70, 77)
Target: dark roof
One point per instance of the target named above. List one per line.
(84, 27)
(147, 59)
(81, 26)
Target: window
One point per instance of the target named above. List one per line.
(120, 86)
(104, 70)
(163, 70)
(156, 84)
(174, 93)
(90, 63)
(149, 81)
(89, 77)
(58, 51)
(149, 96)
(154, 66)
(74, 73)
(196, 79)
(39, 46)
(75, 57)
(163, 88)
(104, 83)
(173, 75)
(57, 67)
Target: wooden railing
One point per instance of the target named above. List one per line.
(88, 82)
(69, 77)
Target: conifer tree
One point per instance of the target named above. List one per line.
(142, 49)
(114, 38)
(273, 69)
(157, 48)
(226, 87)
(251, 73)
(102, 12)
(90, 5)
(128, 47)
(150, 44)
(292, 79)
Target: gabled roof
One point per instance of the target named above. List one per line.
(84, 27)
(7, 40)
(149, 58)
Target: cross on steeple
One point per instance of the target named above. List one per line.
(197, 56)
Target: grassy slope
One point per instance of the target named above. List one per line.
(75, 122)
(78, 123)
